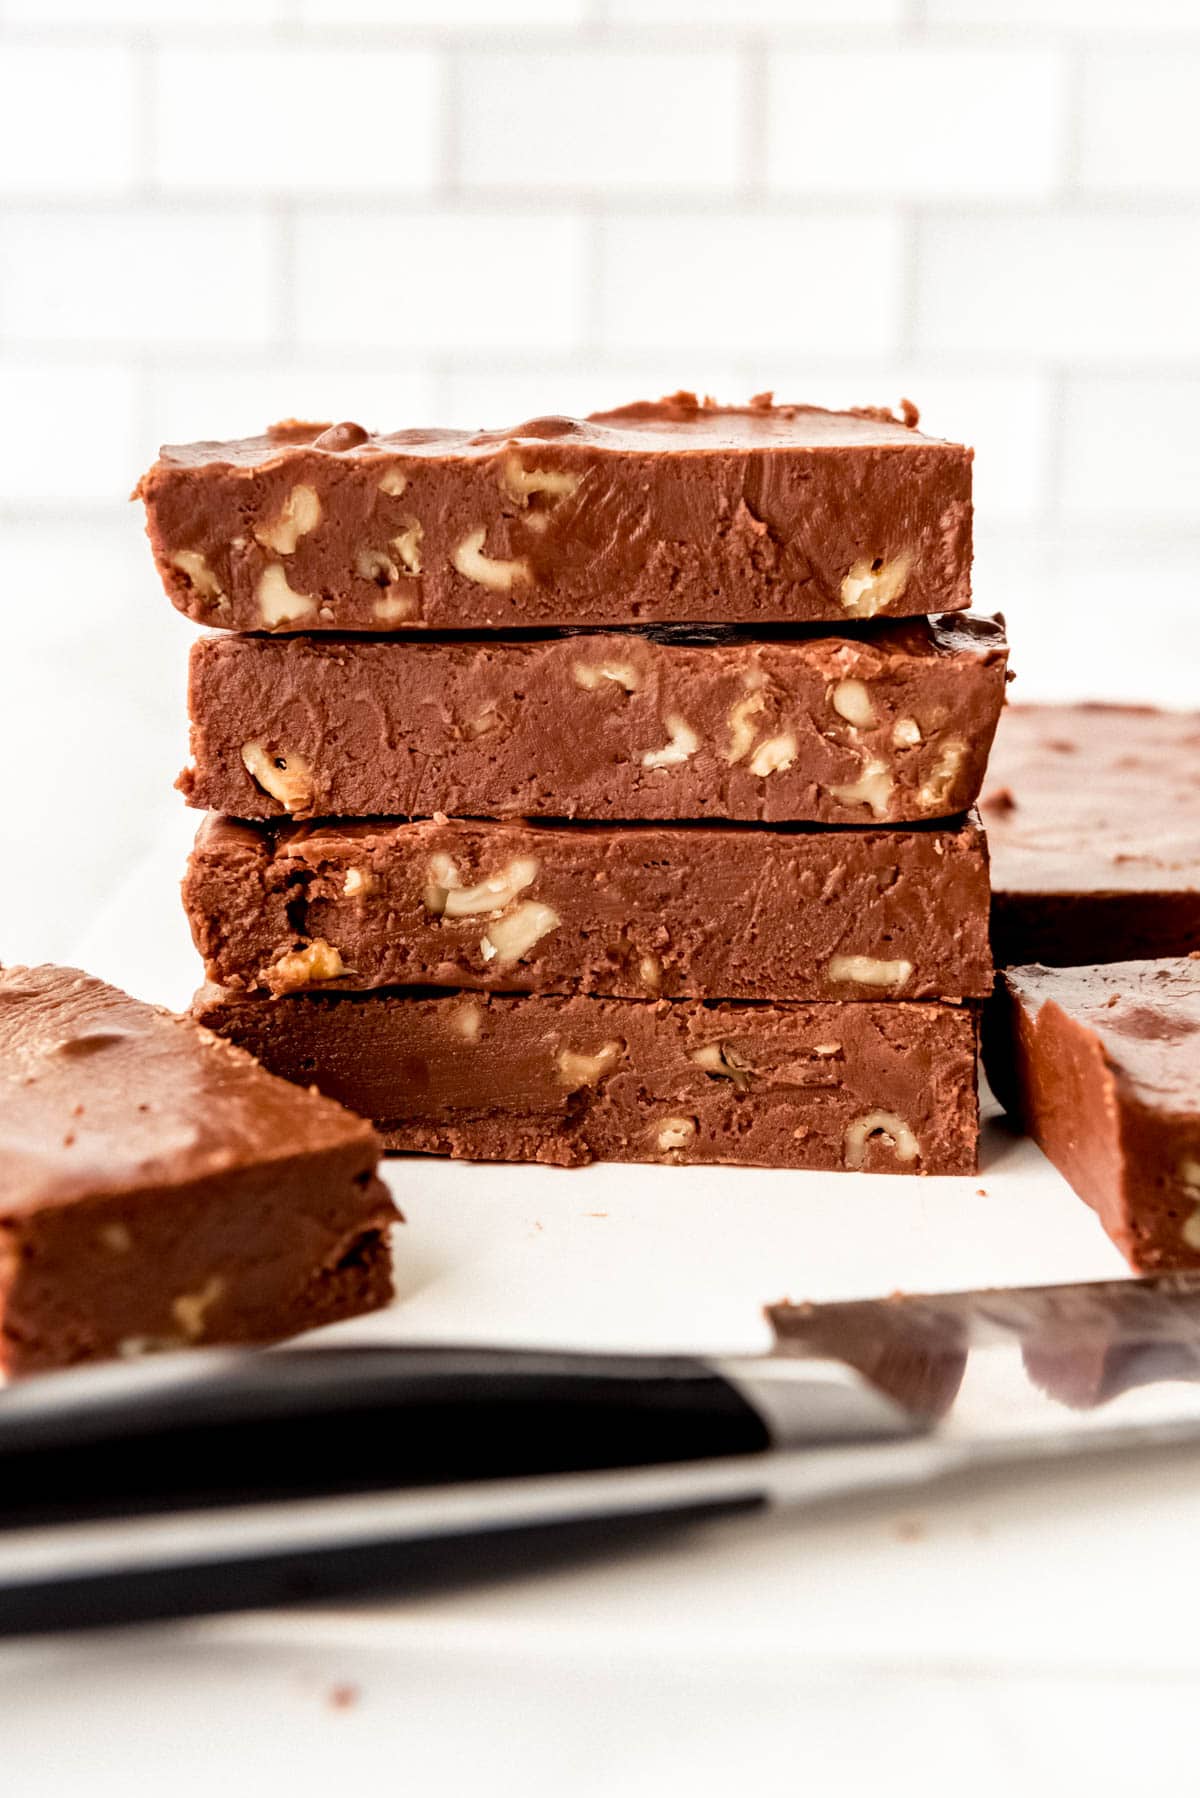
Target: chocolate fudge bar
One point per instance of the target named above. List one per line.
(890, 723)
(673, 511)
(684, 911)
(157, 1188)
(885, 1087)
(1093, 815)
(1102, 1067)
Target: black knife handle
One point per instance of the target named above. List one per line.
(234, 1429)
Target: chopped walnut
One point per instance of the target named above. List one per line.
(620, 673)
(851, 700)
(872, 585)
(742, 728)
(203, 581)
(906, 733)
(393, 483)
(867, 970)
(301, 513)
(467, 1021)
(774, 756)
(305, 967)
(938, 784)
(576, 1070)
(278, 603)
(282, 773)
(683, 743)
(529, 486)
(872, 788)
(470, 561)
(359, 883)
(889, 1129)
(190, 1309)
(511, 937)
(676, 1133)
(446, 897)
(376, 565)
(722, 1062)
(396, 608)
(407, 545)
(650, 973)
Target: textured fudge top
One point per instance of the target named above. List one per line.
(675, 426)
(665, 511)
(1094, 798)
(1145, 1014)
(100, 1093)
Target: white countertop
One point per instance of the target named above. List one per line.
(1021, 1632)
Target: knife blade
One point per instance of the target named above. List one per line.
(201, 1481)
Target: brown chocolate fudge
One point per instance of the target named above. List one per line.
(157, 1188)
(887, 723)
(1102, 1067)
(682, 911)
(1093, 815)
(885, 1087)
(670, 511)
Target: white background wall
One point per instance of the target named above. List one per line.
(218, 212)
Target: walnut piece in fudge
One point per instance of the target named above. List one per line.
(878, 1086)
(158, 1188)
(669, 511)
(880, 724)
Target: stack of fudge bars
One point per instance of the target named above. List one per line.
(597, 789)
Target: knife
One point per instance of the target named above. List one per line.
(230, 1479)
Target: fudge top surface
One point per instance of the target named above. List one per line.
(1094, 798)
(678, 425)
(101, 1094)
(1145, 1015)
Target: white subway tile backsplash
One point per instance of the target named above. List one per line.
(929, 124)
(482, 398)
(136, 276)
(297, 120)
(795, 13)
(216, 212)
(440, 282)
(97, 459)
(67, 121)
(214, 400)
(1087, 17)
(1140, 129)
(716, 281)
(95, 16)
(447, 15)
(1079, 286)
(601, 119)
(1130, 450)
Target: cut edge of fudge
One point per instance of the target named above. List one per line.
(635, 911)
(161, 1189)
(1101, 1066)
(884, 1086)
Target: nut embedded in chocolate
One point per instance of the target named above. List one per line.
(674, 511)
(687, 725)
